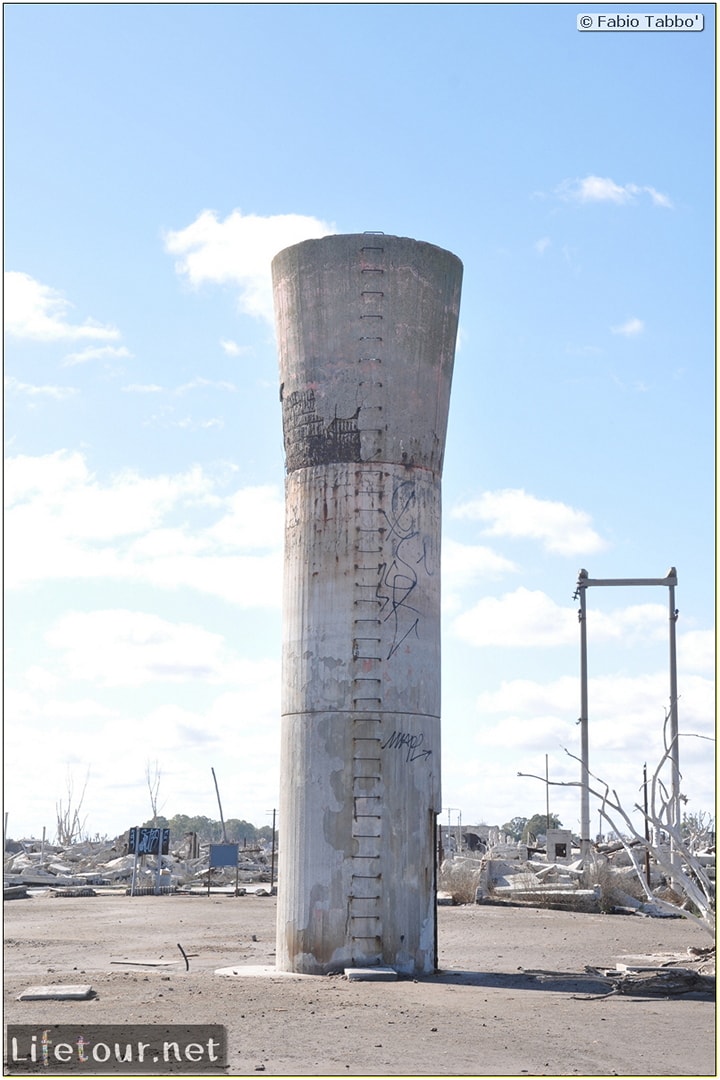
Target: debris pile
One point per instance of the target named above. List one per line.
(653, 981)
(604, 881)
(107, 864)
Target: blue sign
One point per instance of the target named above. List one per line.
(223, 855)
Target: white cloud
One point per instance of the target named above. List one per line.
(39, 313)
(102, 352)
(166, 419)
(239, 251)
(252, 520)
(597, 189)
(518, 697)
(130, 648)
(529, 618)
(633, 624)
(512, 512)
(463, 565)
(231, 348)
(602, 189)
(40, 679)
(521, 618)
(234, 730)
(657, 197)
(189, 424)
(624, 711)
(67, 729)
(696, 650)
(542, 245)
(200, 383)
(630, 328)
(525, 719)
(60, 393)
(62, 523)
(60, 487)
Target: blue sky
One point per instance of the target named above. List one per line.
(157, 157)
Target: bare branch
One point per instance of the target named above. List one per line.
(688, 874)
(69, 826)
(153, 783)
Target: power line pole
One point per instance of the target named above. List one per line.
(272, 853)
(222, 820)
(547, 796)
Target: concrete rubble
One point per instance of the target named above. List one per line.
(497, 873)
(32, 863)
(512, 873)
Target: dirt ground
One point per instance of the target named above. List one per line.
(512, 996)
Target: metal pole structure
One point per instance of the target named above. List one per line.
(452, 810)
(647, 826)
(222, 820)
(583, 721)
(674, 734)
(669, 581)
(547, 796)
(272, 855)
(134, 873)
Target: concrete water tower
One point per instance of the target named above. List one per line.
(366, 329)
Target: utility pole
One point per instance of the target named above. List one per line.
(583, 721)
(272, 853)
(674, 734)
(647, 826)
(454, 809)
(222, 820)
(547, 796)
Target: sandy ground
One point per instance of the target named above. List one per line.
(512, 996)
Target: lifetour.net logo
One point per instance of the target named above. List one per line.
(92, 1049)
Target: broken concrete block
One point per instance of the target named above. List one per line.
(371, 974)
(59, 868)
(63, 992)
(15, 892)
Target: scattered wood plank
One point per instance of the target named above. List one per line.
(147, 963)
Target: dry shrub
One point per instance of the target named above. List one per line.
(460, 878)
(616, 883)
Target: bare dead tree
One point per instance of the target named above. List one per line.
(70, 826)
(690, 878)
(153, 776)
(699, 829)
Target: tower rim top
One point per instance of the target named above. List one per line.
(365, 239)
